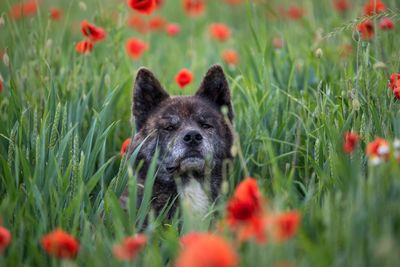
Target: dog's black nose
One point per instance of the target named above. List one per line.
(192, 138)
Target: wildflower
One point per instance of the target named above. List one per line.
(245, 212)
(135, 48)
(206, 250)
(60, 244)
(285, 225)
(378, 150)
(157, 23)
(277, 42)
(173, 29)
(125, 146)
(5, 236)
(194, 8)
(84, 47)
(350, 141)
(129, 248)
(94, 33)
(318, 52)
(55, 13)
(24, 9)
(1, 85)
(230, 56)
(374, 7)
(366, 29)
(295, 12)
(143, 6)
(220, 31)
(341, 5)
(183, 78)
(394, 80)
(137, 23)
(386, 24)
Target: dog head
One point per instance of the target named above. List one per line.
(191, 132)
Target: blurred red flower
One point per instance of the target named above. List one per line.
(94, 33)
(5, 235)
(157, 23)
(60, 244)
(138, 23)
(394, 80)
(143, 6)
(341, 5)
(55, 13)
(366, 29)
(377, 150)
(374, 7)
(277, 42)
(295, 12)
(173, 29)
(206, 250)
(220, 31)
(24, 9)
(183, 78)
(84, 47)
(135, 48)
(245, 212)
(285, 225)
(1, 85)
(194, 8)
(230, 57)
(350, 142)
(125, 146)
(386, 24)
(129, 248)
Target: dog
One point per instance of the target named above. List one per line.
(192, 134)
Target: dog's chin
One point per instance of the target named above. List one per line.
(192, 164)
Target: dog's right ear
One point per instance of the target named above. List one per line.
(147, 95)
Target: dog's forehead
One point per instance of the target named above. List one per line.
(186, 107)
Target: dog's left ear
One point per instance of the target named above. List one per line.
(215, 88)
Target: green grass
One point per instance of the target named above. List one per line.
(64, 116)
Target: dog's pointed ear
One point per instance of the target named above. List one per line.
(147, 95)
(215, 88)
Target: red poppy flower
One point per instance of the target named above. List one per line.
(157, 23)
(194, 8)
(143, 6)
(94, 33)
(60, 244)
(5, 236)
(295, 12)
(84, 47)
(350, 142)
(366, 29)
(285, 225)
(137, 22)
(173, 29)
(396, 92)
(220, 31)
(125, 146)
(24, 9)
(394, 80)
(277, 42)
(378, 150)
(135, 48)
(1, 85)
(245, 212)
(230, 57)
(183, 78)
(129, 248)
(55, 13)
(341, 5)
(207, 250)
(386, 24)
(374, 7)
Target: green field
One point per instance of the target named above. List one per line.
(64, 116)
